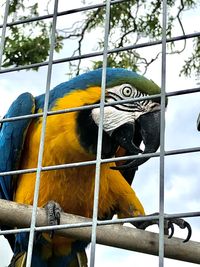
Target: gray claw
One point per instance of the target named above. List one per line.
(171, 227)
(189, 228)
(183, 224)
(168, 225)
(53, 211)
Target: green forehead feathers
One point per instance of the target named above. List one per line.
(139, 82)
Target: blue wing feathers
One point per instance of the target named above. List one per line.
(12, 135)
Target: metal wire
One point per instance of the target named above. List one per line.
(93, 162)
(3, 34)
(42, 139)
(95, 222)
(162, 136)
(100, 137)
(100, 223)
(63, 13)
(89, 55)
(137, 99)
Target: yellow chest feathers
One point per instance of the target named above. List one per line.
(61, 141)
(62, 146)
(72, 188)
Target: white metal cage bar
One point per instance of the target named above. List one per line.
(42, 138)
(94, 54)
(137, 99)
(3, 34)
(162, 135)
(100, 138)
(94, 223)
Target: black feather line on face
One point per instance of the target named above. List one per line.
(132, 107)
(113, 96)
(87, 132)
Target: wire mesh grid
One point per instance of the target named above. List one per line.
(161, 154)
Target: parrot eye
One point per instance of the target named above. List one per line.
(127, 91)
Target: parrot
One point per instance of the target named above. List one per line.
(71, 137)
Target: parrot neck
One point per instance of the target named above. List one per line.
(88, 133)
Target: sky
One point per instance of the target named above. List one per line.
(182, 181)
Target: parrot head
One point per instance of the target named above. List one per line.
(125, 125)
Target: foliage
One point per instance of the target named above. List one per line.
(130, 22)
(138, 19)
(193, 62)
(27, 43)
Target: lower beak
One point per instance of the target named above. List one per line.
(147, 126)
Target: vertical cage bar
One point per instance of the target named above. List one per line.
(42, 138)
(162, 137)
(3, 33)
(99, 141)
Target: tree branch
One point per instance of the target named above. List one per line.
(13, 214)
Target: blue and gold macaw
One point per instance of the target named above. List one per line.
(72, 137)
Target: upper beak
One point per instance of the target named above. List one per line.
(148, 126)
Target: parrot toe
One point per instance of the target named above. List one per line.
(183, 225)
(168, 226)
(53, 210)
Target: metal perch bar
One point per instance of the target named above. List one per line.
(119, 236)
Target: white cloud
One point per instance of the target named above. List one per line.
(5, 252)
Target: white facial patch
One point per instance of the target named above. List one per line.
(115, 116)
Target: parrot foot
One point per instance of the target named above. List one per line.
(53, 210)
(168, 225)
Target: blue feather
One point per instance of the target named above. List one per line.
(12, 136)
(89, 79)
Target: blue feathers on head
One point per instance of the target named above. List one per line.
(84, 81)
(114, 77)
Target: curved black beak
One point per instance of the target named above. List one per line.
(124, 136)
(148, 126)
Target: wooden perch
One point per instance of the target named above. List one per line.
(119, 236)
